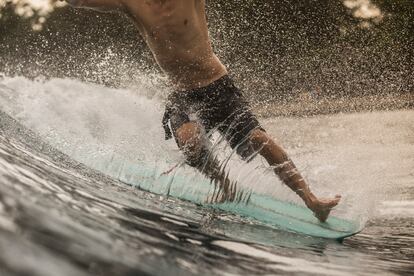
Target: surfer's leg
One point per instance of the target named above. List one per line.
(192, 142)
(231, 113)
(289, 174)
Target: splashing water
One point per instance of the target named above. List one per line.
(116, 130)
(366, 157)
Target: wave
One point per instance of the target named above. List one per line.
(118, 132)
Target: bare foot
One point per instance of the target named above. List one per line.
(322, 207)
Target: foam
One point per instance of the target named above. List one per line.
(362, 156)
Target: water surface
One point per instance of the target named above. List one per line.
(65, 208)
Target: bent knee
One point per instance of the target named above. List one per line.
(190, 140)
(259, 136)
(189, 137)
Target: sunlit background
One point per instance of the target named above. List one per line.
(313, 52)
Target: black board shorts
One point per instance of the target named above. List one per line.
(220, 106)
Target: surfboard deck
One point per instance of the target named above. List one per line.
(291, 217)
(265, 209)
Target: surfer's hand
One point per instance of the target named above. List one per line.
(322, 207)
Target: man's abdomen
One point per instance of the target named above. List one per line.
(190, 68)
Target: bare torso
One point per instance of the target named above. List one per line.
(177, 34)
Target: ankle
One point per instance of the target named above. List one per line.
(310, 200)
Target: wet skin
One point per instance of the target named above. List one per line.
(176, 32)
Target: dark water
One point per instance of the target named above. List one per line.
(59, 217)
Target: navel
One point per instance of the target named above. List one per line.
(185, 22)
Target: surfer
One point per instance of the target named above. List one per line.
(205, 96)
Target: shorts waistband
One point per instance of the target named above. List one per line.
(194, 94)
(218, 84)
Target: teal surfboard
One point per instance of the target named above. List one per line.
(265, 209)
(291, 217)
